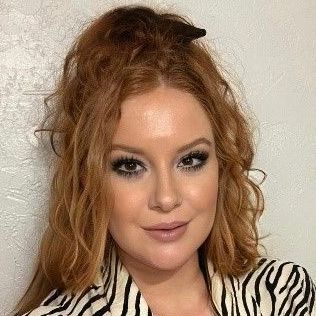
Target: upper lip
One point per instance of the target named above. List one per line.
(170, 225)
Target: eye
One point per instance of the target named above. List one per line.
(202, 156)
(133, 167)
(130, 163)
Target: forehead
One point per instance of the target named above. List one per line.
(162, 114)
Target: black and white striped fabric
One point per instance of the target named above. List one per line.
(275, 288)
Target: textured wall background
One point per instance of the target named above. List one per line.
(268, 45)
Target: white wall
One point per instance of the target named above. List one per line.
(268, 45)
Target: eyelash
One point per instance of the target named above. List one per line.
(198, 154)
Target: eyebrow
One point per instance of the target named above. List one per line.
(183, 148)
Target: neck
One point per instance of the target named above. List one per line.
(182, 291)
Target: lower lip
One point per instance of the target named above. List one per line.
(166, 235)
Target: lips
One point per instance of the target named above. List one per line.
(167, 232)
(166, 226)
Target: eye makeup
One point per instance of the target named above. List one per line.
(130, 163)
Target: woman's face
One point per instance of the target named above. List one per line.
(159, 183)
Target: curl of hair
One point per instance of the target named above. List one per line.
(131, 50)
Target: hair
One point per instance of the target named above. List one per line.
(131, 50)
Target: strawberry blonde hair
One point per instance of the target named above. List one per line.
(131, 50)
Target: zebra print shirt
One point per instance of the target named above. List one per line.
(275, 288)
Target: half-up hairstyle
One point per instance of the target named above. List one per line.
(131, 50)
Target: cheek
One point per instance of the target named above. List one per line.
(202, 195)
(205, 204)
(127, 205)
(211, 193)
(126, 213)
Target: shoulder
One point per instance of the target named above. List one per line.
(59, 303)
(280, 287)
(276, 272)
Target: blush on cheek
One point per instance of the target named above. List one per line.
(203, 196)
(213, 192)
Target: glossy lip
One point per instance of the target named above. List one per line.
(166, 226)
(168, 235)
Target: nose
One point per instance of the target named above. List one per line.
(165, 194)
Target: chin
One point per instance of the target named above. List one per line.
(169, 259)
(167, 265)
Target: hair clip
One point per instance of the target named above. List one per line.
(187, 32)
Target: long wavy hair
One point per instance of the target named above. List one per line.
(131, 50)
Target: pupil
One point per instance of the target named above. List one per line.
(130, 165)
(188, 160)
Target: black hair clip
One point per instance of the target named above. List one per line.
(187, 32)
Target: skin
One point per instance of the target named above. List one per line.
(167, 273)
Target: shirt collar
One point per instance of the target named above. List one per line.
(121, 290)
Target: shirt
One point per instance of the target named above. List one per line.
(275, 287)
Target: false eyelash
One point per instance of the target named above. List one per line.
(198, 154)
(123, 160)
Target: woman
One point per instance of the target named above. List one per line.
(152, 211)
